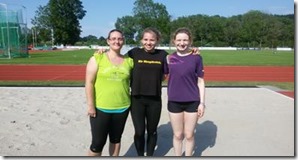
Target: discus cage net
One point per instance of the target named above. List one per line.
(13, 31)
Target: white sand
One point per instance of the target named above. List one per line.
(43, 122)
(49, 121)
(52, 121)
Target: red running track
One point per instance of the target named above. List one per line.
(249, 73)
(212, 73)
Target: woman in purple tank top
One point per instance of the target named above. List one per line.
(186, 91)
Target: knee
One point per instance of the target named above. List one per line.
(152, 134)
(189, 136)
(139, 134)
(178, 136)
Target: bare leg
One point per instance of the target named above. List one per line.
(190, 121)
(114, 149)
(177, 126)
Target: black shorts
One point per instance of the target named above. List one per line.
(178, 107)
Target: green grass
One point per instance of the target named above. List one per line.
(77, 57)
(233, 58)
(248, 58)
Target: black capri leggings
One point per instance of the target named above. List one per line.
(145, 113)
(105, 124)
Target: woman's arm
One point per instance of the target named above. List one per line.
(166, 68)
(201, 108)
(91, 71)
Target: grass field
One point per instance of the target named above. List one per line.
(211, 58)
(233, 58)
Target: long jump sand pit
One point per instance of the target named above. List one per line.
(52, 121)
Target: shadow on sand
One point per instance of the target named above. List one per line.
(205, 137)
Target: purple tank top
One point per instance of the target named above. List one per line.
(183, 77)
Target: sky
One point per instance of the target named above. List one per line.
(102, 14)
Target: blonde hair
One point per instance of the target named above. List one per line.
(153, 31)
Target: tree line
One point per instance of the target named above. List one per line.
(253, 29)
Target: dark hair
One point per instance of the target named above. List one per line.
(182, 30)
(152, 30)
(115, 30)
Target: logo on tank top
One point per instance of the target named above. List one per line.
(149, 62)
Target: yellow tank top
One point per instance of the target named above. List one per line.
(112, 83)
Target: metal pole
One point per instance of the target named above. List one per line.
(8, 35)
(32, 32)
(35, 36)
(26, 29)
(52, 36)
(7, 29)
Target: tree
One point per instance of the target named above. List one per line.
(215, 30)
(127, 25)
(41, 18)
(42, 26)
(232, 30)
(254, 27)
(63, 17)
(199, 26)
(90, 39)
(287, 30)
(102, 41)
(274, 32)
(150, 14)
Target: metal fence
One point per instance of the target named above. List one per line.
(13, 31)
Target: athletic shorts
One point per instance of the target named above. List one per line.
(178, 107)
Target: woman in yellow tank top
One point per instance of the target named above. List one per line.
(108, 98)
